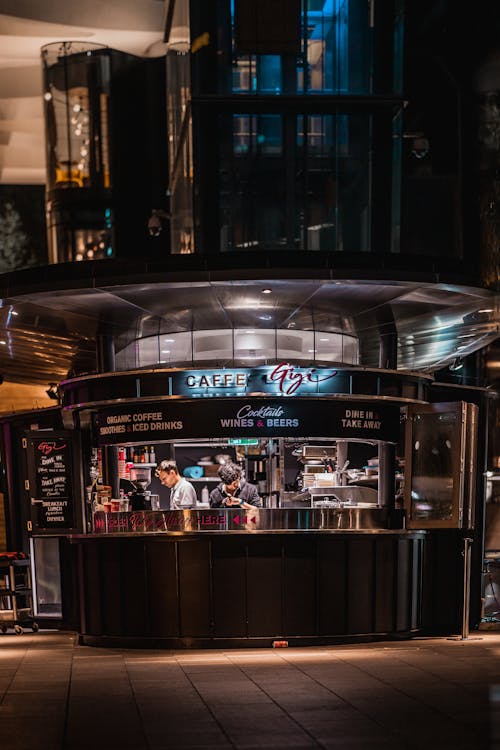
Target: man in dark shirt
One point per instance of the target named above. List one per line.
(233, 491)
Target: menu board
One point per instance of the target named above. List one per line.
(50, 458)
(249, 417)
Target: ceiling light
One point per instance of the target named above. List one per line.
(165, 351)
(324, 339)
(265, 317)
(486, 310)
(267, 291)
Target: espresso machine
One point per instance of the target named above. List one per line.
(140, 497)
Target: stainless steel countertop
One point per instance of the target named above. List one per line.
(257, 520)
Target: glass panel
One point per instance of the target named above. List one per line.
(47, 577)
(76, 97)
(180, 153)
(436, 441)
(212, 345)
(163, 349)
(335, 54)
(245, 347)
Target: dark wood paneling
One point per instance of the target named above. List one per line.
(442, 581)
(384, 585)
(229, 588)
(360, 586)
(163, 599)
(250, 587)
(265, 587)
(134, 587)
(402, 584)
(113, 587)
(194, 588)
(92, 588)
(332, 586)
(300, 586)
(415, 584)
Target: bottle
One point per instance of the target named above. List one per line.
(146, 455)
(121, 462)
(152, 456)
(205, 495)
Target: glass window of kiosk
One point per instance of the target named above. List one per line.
(440, 448)
(47, 597)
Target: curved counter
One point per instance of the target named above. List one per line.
(192, 588)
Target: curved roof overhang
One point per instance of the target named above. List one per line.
(51, 317)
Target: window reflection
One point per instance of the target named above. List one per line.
(435, 440)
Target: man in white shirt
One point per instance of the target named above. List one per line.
(182, 492)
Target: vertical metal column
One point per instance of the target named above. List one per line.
(105, 360)
(388, 360)
(466, 554)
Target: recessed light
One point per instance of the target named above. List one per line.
(324, 339)
(265, 317)
(249, 331)
(267, 291)
(165, 351)
(169, 341)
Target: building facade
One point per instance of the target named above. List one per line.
(312, 251)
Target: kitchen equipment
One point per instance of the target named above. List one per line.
(140, 479)
(223, 458)
(319, 452)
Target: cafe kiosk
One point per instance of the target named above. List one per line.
(325, 569)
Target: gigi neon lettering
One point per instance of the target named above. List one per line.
(290, 379)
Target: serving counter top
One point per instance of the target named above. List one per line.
(264, 520)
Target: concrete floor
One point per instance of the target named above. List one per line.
(424, 694)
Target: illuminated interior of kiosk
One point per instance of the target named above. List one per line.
(288, 472)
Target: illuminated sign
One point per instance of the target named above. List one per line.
(248, 418)
(283, 379)
(243, 441)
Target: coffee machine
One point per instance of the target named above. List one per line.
(140, 497)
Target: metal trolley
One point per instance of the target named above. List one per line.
(16, 596)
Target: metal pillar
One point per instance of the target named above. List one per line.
(388, 360)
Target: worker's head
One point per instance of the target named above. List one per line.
(168, 473)
(230, 475)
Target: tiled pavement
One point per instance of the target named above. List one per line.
(424, 694)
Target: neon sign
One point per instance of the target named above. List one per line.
(290, 378)
(281, 380)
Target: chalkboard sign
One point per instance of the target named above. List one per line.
(50, 462)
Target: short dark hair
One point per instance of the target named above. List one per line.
(166, 465)
(229, 473)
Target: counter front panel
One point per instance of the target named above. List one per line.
(222, 590)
